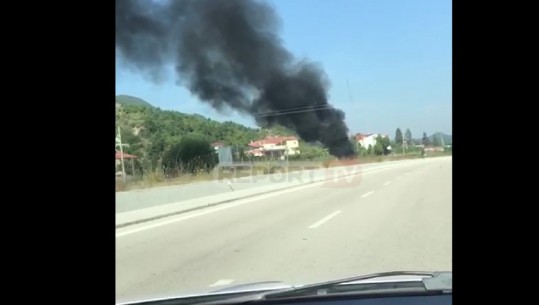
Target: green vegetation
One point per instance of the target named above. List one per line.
(173, 147)
(311, 152)
(131, 100)
(190, 155)
(438, 138)
(425, 140)
(381, 148)
(398, 137)
(408, 136)
(152, 133)
(160, 139)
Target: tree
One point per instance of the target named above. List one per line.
(381, 146)
(132, 143)
(426, 141)
(355, 144)
(437, 139)
(408, 136)
(398, 137)
(158, 130)
(190, 155)
(310, 152)
(378, 149)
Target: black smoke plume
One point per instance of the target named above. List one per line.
(227, 52)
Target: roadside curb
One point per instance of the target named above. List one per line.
(134, 222)
(219, 202)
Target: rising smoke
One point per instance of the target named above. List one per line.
(228, 54)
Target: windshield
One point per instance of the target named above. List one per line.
(290, 142)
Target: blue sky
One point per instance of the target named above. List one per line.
(396, 56)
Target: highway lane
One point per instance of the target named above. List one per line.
(395, 219)
(153, 197)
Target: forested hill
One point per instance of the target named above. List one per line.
(150, 132)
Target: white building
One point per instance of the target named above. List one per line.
(368, 139)
(277, 145)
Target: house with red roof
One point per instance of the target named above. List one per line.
(274, 146)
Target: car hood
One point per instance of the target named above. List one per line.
(249, 287)
(278, 285)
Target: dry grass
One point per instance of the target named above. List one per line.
(157, 179)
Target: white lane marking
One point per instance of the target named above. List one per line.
(387, 183)
(222, 282)
(367, 194)
(215, 209)
(243, 201)
(323, 220)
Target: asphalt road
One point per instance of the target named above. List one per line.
(394, 219)
(153, 197)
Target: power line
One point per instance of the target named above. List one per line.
(349, 92)
(293, 110)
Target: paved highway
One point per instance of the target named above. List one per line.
(395, 219)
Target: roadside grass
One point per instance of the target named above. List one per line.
(158, 179)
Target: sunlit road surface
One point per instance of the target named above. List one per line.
(396, 219)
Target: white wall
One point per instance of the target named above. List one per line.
(370, 140)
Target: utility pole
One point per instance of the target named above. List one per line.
(349, 92)
(403, 147)
(119, 142)
(443, 144)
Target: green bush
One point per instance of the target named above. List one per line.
(190, 155)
